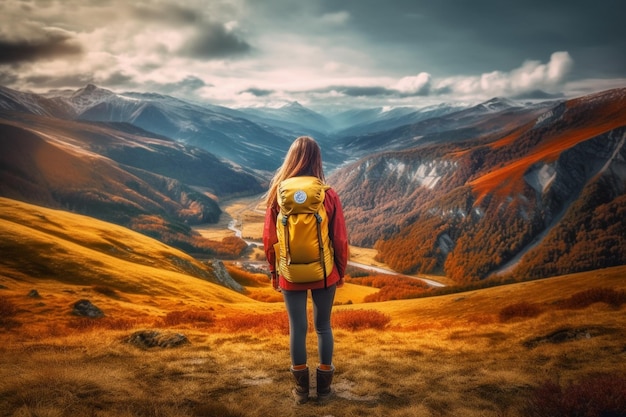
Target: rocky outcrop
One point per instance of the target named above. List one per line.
(604, 155)
(84, 308)
(223, 277)
(146, 339)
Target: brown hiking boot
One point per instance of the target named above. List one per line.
(324, 379)
(301, 390)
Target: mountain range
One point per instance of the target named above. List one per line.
(470, 191)
(532, 190)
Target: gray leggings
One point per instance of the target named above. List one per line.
(296, 301)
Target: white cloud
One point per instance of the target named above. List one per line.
(418, 84)
(530, 76)
(360, 54)
(533, 74)
(559, 66)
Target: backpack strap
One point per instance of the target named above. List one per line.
(321, 246)
(286, 229)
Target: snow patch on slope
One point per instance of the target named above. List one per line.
(427, 174)
(91, 96)
(616, 162)
(540, 176)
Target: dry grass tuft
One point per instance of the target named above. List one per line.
(8, 311)
(198, 318)
(266, 296)
(104, 290)
(576, 301)
(360, 320)
(276, 322)
(594, 295)
(390, 287)
(247, 278)
(84, 324)
(519, 310)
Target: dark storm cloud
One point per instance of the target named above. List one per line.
(364, 91)
(537, 95)
(373, 91)
(258, 92)
(185, 86)
(170, 13)
(118, 79)
(78, 80)
(472, 37)
(53, 45)
(52, 81)
(8, 78)
(207, 39)
(213, 40)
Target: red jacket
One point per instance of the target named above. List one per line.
(338, 235)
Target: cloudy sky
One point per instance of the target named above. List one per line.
(319, 52)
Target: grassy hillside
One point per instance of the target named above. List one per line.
(122, 175)
(526, 349)
(42, 245)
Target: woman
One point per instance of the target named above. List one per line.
(304, 159)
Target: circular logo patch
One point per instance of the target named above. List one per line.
(299, 197)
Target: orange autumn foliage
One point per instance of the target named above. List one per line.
(390, 287)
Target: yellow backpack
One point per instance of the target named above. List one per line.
(304, 251)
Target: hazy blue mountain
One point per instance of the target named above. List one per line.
(443, 124)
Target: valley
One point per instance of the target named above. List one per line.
(461, 191)
(244, 218)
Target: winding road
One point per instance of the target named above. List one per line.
(430, 282)
(232, 225)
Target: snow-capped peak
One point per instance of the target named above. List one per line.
(92, 95)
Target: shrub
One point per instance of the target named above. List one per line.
(104, 290)
(8, 310)
(87, 324)
(360, 319)
(596, 396)
(248, 279)
(274, 297)
(391, 287)
(585, 298)
(521, 310)
(175, 318)
(273, 322)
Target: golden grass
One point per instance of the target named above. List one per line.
(450, 355)
(447, 356)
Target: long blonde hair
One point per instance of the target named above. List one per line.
(304, 157)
